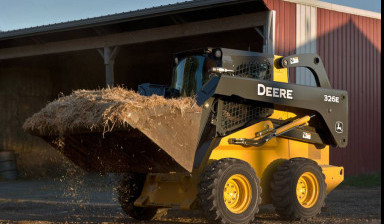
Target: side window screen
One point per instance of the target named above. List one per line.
(255, 70)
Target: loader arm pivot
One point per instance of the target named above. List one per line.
(312, 62)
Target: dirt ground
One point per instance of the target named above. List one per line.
(93, 200)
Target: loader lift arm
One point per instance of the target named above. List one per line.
(330, 106)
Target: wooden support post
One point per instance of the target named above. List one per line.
(109, 55)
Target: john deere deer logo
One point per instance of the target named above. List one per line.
(339, 127)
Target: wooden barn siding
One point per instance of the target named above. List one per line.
(285, 29)
(350, 46)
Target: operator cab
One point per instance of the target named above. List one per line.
(192, 69)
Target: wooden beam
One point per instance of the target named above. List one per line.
(109, 55)
(140, 36)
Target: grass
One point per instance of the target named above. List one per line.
(363, 180)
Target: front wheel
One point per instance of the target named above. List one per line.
(229, 192)
(298, 189)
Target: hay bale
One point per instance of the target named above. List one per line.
(104, 110)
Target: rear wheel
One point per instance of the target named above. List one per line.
(298, 189)
(129, 190)
(229, 192)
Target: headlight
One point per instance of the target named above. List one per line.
(218, 54)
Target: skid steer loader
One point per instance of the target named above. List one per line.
(260, 140)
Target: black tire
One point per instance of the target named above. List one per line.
(129, 190)
(283, 186)
(211, 191)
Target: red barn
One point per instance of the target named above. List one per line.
(349, 42)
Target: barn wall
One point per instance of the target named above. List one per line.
(25, 87)
(350, 46)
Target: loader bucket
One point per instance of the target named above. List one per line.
(145, 139)
(149, 150)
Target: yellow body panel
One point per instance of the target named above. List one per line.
(279, 74)
(180, 190)
(334, 175)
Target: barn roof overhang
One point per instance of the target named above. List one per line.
(164, 22)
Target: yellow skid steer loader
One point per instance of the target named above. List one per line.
(260, 140)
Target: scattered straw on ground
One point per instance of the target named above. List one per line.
(104, 110)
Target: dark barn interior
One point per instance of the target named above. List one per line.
(39, 64)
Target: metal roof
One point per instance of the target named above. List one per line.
(161, 10)
(119, 17)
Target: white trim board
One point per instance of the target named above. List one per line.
(338, 8)
(306, 40)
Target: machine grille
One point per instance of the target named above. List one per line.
(235, 115)
(254, 69)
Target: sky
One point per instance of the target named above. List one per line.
(18, 14)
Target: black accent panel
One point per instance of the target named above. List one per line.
(304, 100)
(207, 90)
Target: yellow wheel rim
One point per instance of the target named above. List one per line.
(307, 190)
(237, 193)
